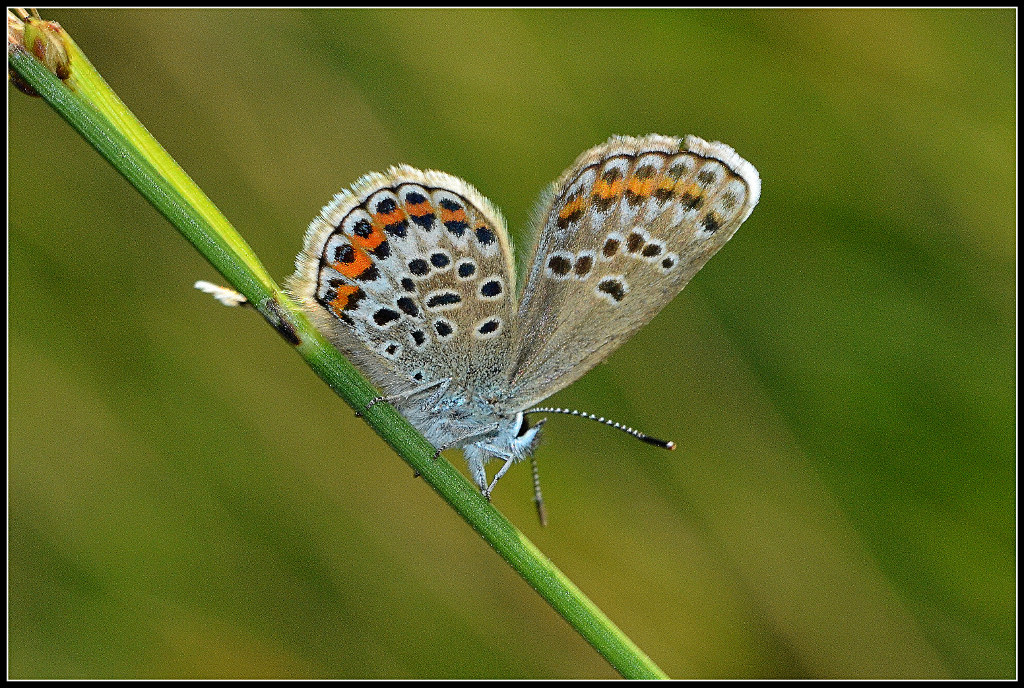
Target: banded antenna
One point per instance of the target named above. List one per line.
(618, 426)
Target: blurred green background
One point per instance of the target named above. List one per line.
(840, 378)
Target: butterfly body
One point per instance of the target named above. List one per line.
(412, 275)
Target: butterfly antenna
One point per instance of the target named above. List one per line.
(542, 513)
(618, 426)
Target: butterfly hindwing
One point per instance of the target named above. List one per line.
(410, 274)
(621, 233)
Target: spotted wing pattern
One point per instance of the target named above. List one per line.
(621, 233)
(410, 275)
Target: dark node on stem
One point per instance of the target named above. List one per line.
(281, 323)
(21, 84)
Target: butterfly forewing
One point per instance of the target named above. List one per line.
(410, 274)
(625, 229)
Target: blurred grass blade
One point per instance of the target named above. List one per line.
(88, 104)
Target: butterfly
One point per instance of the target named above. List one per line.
(413, 276)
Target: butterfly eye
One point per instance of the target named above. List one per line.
(524, 425)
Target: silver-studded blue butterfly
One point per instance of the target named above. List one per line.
(412, 275)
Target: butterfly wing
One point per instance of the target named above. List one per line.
(410, 275)
(620, 234)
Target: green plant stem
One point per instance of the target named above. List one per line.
(92, 109)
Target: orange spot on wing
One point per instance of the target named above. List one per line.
(453, 215)
(340, 301)
(391, 218)
(641, 187)
(604, 189)
(360, 261)
(418, 209)
(666, 184)
(372, 241)
(689, 190)
(574, 206)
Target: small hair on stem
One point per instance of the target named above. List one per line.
(225, 295)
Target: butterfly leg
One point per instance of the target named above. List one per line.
(473, 454)
(479, 475)
(440, 384)
(476, 456)
(497, 476)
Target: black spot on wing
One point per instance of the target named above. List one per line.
(613, 288)
(418, 267)
(383, 316)
(485, 236)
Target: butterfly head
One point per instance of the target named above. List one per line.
(520, 437)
